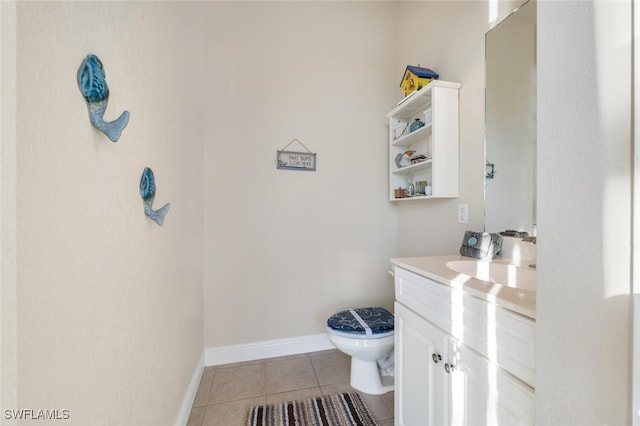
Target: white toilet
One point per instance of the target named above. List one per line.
(366, 334)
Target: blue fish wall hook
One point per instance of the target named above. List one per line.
(148, 193)
(93, 85)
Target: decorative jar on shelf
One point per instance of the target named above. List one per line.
(416, 125)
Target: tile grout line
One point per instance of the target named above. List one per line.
(315, 373)
(264, 384)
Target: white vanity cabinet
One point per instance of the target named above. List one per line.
(459, 360)
(437, 106)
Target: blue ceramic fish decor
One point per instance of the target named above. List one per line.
(148, 193)
(93, 85)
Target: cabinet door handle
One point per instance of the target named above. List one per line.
(436, 357)
(449, 368)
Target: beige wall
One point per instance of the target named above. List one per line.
(305, 244)
(584, 211)
(109, 305)
(447, 37)
(286, 249)
(8, 308)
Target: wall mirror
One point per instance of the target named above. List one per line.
(510, 123)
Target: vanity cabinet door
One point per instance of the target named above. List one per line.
(481, 393)
(419, 377)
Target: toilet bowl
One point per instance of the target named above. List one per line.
(365, 334)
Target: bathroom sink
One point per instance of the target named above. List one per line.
(500, 273)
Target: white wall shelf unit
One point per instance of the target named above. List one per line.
(437, 106)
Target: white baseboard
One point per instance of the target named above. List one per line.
(187, 403)
(266, 349)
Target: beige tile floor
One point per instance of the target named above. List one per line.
(226, 392)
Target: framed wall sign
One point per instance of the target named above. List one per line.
(292, 160)
(296, 160)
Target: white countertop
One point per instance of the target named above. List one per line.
(434, 267)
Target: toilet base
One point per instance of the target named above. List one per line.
(365, 377)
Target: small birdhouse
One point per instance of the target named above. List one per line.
(415, 78)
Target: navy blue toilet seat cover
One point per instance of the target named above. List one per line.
(363, 321)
